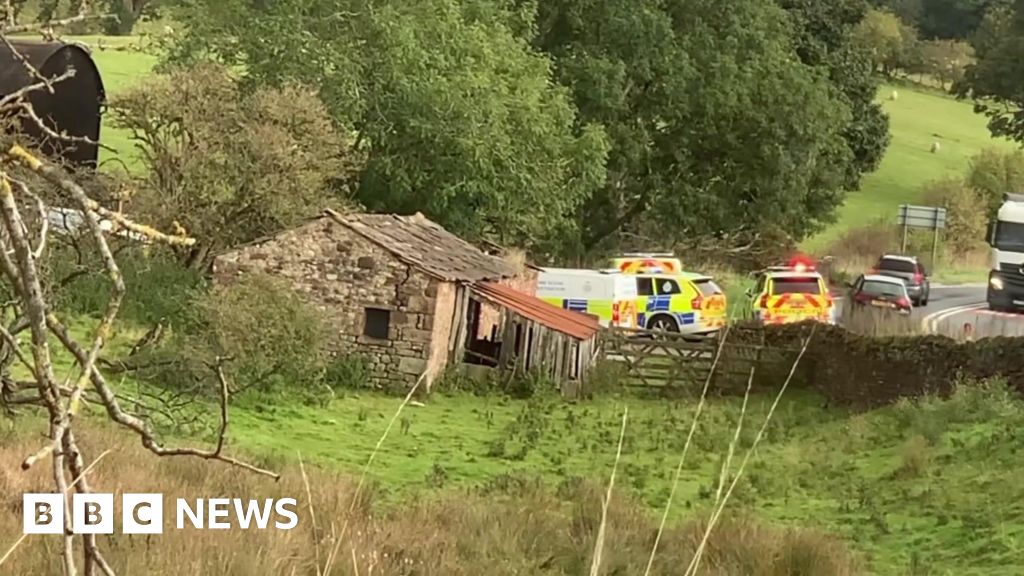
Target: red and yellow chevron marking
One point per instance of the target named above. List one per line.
(630, 266)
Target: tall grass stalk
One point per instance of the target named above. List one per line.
(312, 514)
(595, 565)
(366, 469)
(695, 562)
(686, 447)
(735, 440)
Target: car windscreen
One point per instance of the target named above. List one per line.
(897, 265)
(796, 286)
(708, 288)
(887, 289)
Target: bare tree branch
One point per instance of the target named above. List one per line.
(51, 24)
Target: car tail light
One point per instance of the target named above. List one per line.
(697, 302)
(616, 317)
(764, 301)
(903, 301)
(873, 271)
(918, 277)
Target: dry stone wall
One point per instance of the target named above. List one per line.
(342, 274)
(863, 372)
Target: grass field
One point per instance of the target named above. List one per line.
(917, 119)
(909, 484)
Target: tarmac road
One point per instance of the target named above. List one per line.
(953, 307)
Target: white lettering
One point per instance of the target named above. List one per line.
(262, 514)
(185, 510)
(218, 508)
(282, 510)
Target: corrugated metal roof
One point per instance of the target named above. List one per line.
(421, 243)
(579, 326)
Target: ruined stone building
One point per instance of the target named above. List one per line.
(400, 291)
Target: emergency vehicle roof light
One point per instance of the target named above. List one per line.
(801, 263)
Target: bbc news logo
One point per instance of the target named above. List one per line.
(144, 514)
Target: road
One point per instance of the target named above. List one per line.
(951, 307)
(954, 306)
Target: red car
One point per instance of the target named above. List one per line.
(878, 291)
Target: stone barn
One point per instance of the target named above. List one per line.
(396, 290)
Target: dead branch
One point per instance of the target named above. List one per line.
(26, 64)
(20, 252)
(19, 94)
(51, 24)
(137, 425)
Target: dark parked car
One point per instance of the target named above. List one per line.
(911, 271)
(878, 291)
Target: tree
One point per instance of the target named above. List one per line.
(994, 172)
(458, 116)
(908, 11)
(887, 39)
(996, 80)
(954, 19)
(824, 39)
(717, 130)
(129, 13)
(945, 60)
(232, 166)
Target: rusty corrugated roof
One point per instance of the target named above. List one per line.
(575, 324)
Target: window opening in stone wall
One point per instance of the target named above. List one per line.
(377, 323)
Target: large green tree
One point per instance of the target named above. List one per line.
(942, 19)
(996, 80)
(825, 32)
(457, 113)
(717, 128)
(229, 165)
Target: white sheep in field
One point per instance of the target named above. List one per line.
(894, 96)
(935, 147)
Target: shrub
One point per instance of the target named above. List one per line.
(994, 172)
(158, 287)
(965, 214)
(858, 245)
(348, 372)
(916, 457)
(271, 339)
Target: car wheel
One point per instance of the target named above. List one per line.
(663, 323)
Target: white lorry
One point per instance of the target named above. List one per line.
(1006, 237)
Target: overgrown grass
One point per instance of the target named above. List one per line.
(510, 526)
(862, 476)
(917, 119)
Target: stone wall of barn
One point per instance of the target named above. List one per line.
(343, 275)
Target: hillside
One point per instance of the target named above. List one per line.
(917, 119)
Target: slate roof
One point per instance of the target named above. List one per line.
(425, 245)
